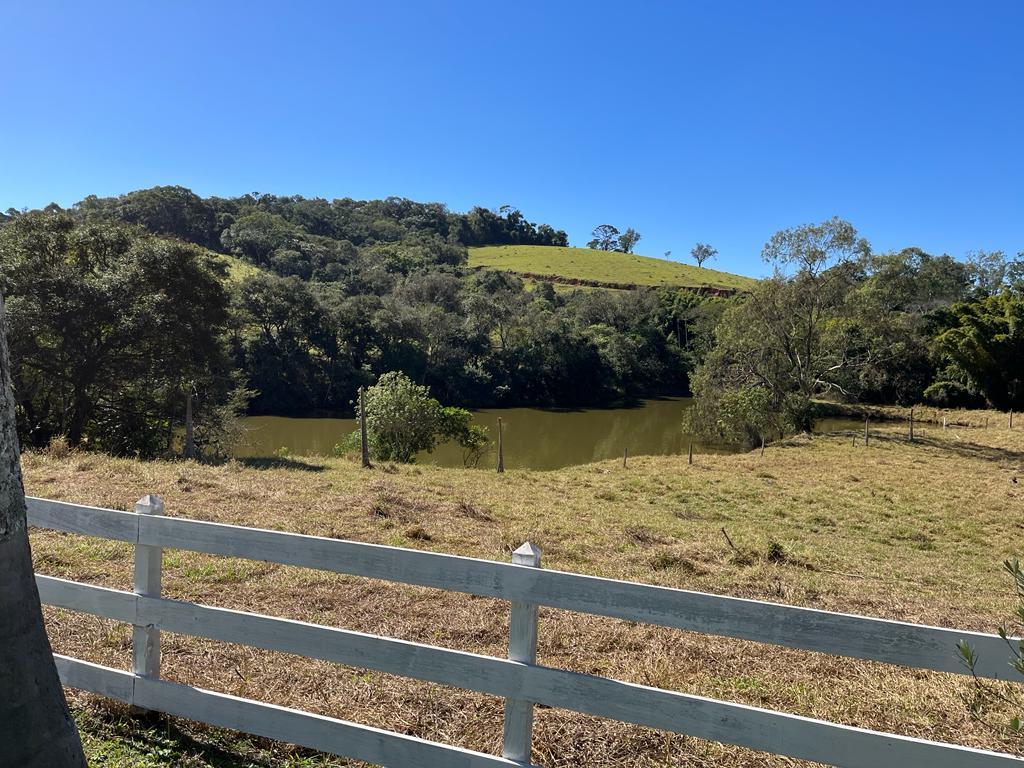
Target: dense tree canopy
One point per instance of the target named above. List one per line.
(837, 321)
(122, 307)
(108, 329)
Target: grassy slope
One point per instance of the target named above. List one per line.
(238, 269)
(604, 266)
(907, 531)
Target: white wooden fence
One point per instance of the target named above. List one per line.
(519, 679)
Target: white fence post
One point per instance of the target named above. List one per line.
(148, 561)
(522, 646)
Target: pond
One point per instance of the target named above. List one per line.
(534, 438)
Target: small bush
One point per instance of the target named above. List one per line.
(59, 447)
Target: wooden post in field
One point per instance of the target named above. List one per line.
(522, 647)
(762, 445)
(689, 454)
(1011, 419)
(625, 455)
(943, 421)
(148, 562)
(364, 444)
(911, 425)
(501, 449)
(865, 431)
(190, 443)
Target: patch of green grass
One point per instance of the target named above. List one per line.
(114, 739)
(602, 266)
(238, 269)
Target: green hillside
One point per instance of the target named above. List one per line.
(238, 269)
(570, 264)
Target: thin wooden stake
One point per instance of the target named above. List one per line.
(762, 445)
(625, 455)
(522, 647)
(190, 443)
(1011, 418)
(501, 449)
(364, 444)
(865, 431)
(911, 425)
(689, 456)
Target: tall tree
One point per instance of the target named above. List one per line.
(604, 238)
(106, 325)
(36, 729)
(983, 344)
(628, 240)
(701, 252)
(789, 341)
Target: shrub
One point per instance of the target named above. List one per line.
(402, 419)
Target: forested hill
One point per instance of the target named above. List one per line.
(120, 305)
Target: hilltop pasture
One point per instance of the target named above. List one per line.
(594, 267)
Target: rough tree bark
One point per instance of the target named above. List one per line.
(36, 728)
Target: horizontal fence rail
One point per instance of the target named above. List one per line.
(894, 642)
(315, 731)
(776, 732)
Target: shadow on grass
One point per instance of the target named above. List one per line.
(279, 462)
(169, 741)
(960, 448)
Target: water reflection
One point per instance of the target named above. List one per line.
(535, 438)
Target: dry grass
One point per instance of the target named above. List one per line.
(907, 531)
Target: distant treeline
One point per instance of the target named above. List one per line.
(120, 307)
(121, 310)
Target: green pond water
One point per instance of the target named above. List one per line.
(534, 438)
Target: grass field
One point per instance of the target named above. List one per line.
(899, 530)
(601, 266)
(238, 269)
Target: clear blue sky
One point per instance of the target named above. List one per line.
(713, 121)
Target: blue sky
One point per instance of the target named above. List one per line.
(712, 121)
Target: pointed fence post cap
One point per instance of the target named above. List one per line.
(150, 504)
(527, 554)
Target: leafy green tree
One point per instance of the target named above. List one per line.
(628, 240)
(993, 271)
(107, 325)
(290, 347)
(982, 342)
(174, 211)
(787, 337)
(702, 252)
(605, 237)
(257, 235)
(402, 420)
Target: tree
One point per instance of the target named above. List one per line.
(702, 252)
(605, 238)
(790, 338)
(290, 350)
(402, 419)
(983, 344)
(107, 326)
(36, 728)
(628, 240)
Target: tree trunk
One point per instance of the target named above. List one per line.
(36, 728)
(190, 443)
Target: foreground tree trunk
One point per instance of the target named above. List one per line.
(36, 728)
